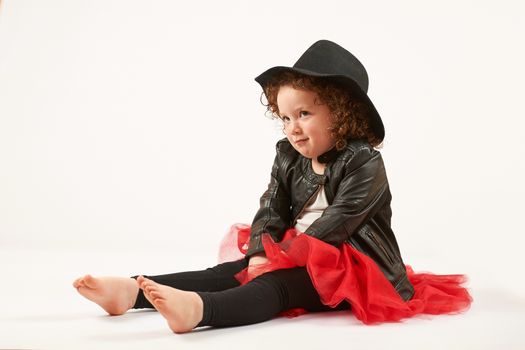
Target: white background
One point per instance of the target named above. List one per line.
(133, 129)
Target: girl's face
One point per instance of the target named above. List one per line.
(306, 122)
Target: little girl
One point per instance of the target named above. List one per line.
(321, 239)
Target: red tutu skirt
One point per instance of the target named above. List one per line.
(344, 273)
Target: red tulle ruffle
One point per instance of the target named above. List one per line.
(344, 273)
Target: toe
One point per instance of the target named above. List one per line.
(90, 281)
(145, 281)
(140, 280)
(79, 282)
(160, 304)
(156, 294)
(148, 284)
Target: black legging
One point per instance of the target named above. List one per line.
(226, 303)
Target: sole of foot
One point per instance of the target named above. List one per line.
(181, 309)
(115, 295)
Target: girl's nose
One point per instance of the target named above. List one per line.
(295, 127)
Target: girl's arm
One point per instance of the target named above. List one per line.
(274, 214)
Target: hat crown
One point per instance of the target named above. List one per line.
(328, 58)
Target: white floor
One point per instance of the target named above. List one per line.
(42, 311)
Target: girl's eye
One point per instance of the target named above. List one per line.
(304, 113)
(285, 119)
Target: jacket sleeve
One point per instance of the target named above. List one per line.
(274, 214)
(360, 195)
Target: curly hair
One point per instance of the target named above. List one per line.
(349, 115)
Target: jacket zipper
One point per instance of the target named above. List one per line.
(380, 245)
(305, 203)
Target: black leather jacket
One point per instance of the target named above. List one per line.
(358, 195)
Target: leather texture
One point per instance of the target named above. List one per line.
(359, 212)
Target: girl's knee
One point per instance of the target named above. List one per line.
(230, 267)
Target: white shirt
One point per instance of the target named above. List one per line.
(312, 211)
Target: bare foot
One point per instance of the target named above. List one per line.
(182, 309)
(116, 295)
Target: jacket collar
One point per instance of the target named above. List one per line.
(310, 175)
(329, 156)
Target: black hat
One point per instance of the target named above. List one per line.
(328, 60)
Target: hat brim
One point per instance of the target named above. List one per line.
(376, 124)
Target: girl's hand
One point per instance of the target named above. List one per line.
(255, 261)
(258, 259)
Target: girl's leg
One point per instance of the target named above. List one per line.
(117, 295)
(259, 300)
(262, 299)
(212, 279)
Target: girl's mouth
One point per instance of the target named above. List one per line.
(300, 142)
